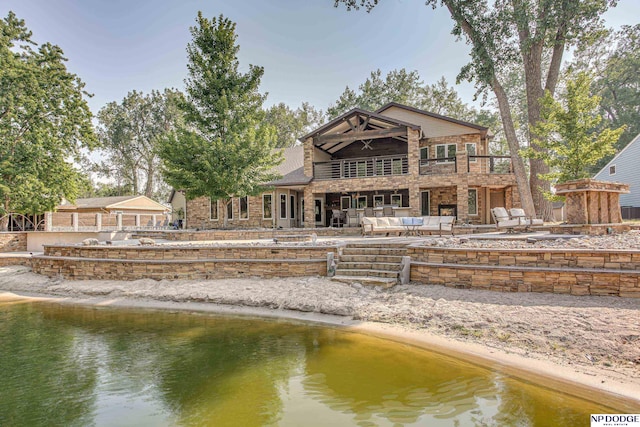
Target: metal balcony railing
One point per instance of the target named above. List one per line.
(489, 164)
(439, 166)
(362, 167)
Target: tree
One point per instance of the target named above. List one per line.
(571, 133)
(129, 132)
(615, 61)
(289, 125)
(44, 122)
(225, 149)
(398, 86)
(522, 34)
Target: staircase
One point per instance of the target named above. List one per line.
(376, 264)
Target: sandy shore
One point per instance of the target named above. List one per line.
(574, 343)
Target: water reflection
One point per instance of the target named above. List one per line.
(87, 366)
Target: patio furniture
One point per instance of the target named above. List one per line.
(337, 218)
(368, 212)
(504, 221)
(407, 225)
(387, 211)
(352, 217)
(527, 221)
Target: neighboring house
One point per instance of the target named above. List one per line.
(135, 211)
(178, 203)
(415, 162)
(624, 168)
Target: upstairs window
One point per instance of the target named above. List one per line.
(446, 151)
(612, 170)
(471, 151)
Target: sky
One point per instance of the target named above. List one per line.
(309, 49)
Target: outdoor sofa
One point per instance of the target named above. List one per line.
(513, 220)
(386, 224)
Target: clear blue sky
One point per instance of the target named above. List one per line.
(310, 50)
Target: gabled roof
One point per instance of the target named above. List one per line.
(635, 140)
(357, 111)
(430, 114)
(115, 202)
(291, 168)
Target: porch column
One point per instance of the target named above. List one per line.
(98, 222)
(487, 205)
(413, 159)
(462, 195)
(309, 214)
(137, 220)
(119, 221)
(74, 220)
(48, 221)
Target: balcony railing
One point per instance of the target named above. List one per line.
(361, 167)
(439, 166)
(489, 164)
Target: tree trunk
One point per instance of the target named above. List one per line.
(225, 219)
(514, 148)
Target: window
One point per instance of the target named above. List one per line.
(612, 170)
(230, 209)
(424, 155)
(267, 206)
(213, 210)
(362, 169)
(362, 202)
(425, 203)
(283, 206)
(244, 207)
(378, 201)
(345, 202)
(473, 201)
(471, 151)
(396, 200)
(445, 151)
(292, 207)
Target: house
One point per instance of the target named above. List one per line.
(412, 161)
(104, 211)
(178, 203)
(623, 168)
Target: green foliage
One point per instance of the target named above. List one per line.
(225, 149)
(615, 61)
(44, 122)
(572, 132)
(129, 132)
(290, 125)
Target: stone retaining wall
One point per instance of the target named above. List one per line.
(13, 242)
(522, 279)
(14, 260)
(245, 234)
(553, 258)
(101, 269)
(190, 253)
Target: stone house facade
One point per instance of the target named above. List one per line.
(397, 159)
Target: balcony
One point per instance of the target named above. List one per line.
(363, 167)
(489, 164)
(444, 165)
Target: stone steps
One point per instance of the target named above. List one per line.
(374, 264)
(374, 251)
(366, 280)
(387, 266)
(371, 258)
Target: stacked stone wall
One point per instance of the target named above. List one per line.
(13, 242)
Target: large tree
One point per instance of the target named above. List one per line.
(225, 149)
(44, 122)
(615, 64)
(129, 132)
(573, 133)
(532, 36)
(290, 124)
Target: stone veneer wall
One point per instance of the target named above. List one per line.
(13, 242)
(245, 234)
(199, 214)
(194, 262)
(576, 272)
(15, 260)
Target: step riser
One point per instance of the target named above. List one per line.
(367, 281)
(371, 258)
(374, 251)
(369, 266)
(367, 273)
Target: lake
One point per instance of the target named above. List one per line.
(64, 365)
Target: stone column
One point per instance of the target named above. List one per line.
(588, 201)
(462, 189)
(413, 160)
(309, 205)
(48, 221)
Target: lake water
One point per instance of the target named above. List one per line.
(63, 365)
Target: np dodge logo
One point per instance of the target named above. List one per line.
(615, 420)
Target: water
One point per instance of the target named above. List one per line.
(72, 366)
